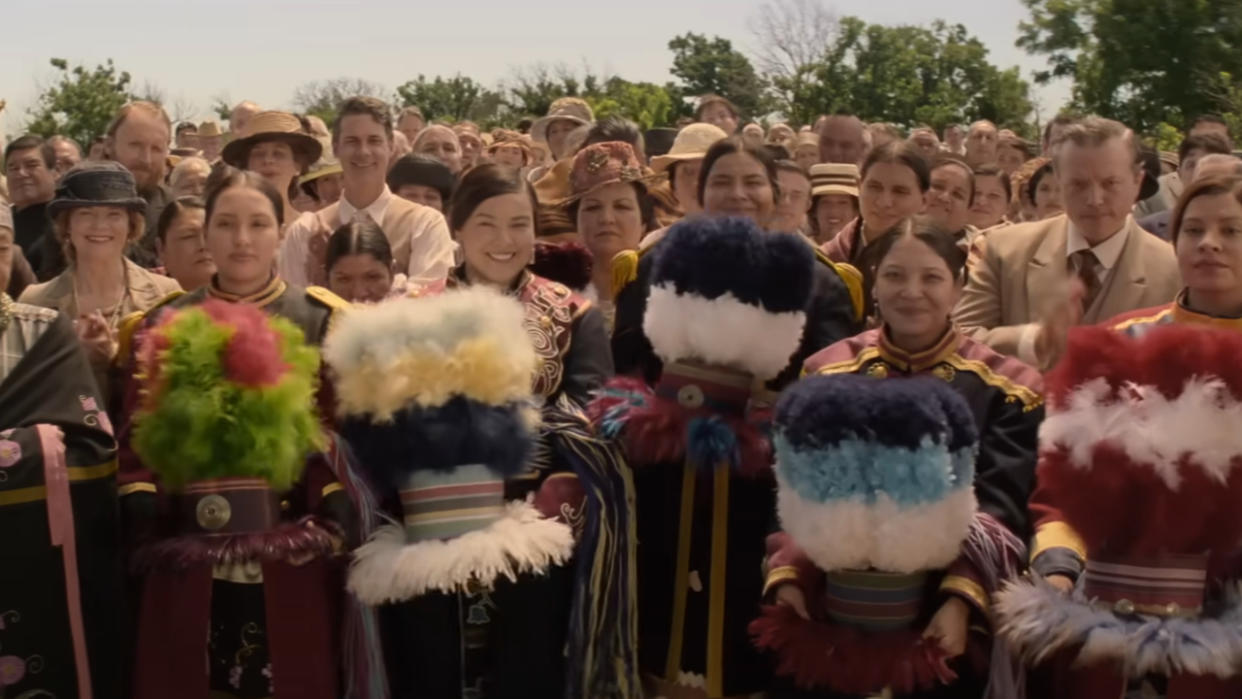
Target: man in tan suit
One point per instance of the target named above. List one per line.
(1038, 279)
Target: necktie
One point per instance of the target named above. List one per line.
(1086, 266)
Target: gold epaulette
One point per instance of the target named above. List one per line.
(129, 325)
(853, 281)
(325, 297)
(624, 269)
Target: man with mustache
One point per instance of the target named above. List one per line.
(138, 139)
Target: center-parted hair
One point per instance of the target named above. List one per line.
(481, 183)
(730, 146)
(229, 177)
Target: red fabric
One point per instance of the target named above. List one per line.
(1204, 687)
(657, 430)
(304, 647)
(172, 635)
(818, 655)
(252, 356)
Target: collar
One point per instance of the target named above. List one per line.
(274, 289)
(1183, 314)
(913, 363)
(375, 209)
(1107, 252)
(457, 278)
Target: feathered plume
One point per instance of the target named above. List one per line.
(227, 391)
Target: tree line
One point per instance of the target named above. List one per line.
(1153, 64)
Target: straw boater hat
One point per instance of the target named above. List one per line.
(273, 126)
(691, 144)
(566, 108)
(834, 178)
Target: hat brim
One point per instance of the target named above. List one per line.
(312, 176)
(645, 181)
(57, 206)
(236, 153)
(834, 189)
(660, 163)
(539, 129)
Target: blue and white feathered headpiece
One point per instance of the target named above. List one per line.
(875, 473)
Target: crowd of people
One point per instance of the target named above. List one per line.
(390, 408)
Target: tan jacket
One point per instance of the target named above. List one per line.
(1023, 267)
(145, 290)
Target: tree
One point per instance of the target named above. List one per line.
(712, 65)
(323, 98)
(453, 99)
(222, 106)
(531, 90)
(910, 75)
(1139, 61)
(81, 102)
(792, 37)
(646, 104)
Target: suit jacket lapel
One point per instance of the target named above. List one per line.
(1046, 269)
(1127, 282)
(142, 288)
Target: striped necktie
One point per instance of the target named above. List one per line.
(1086, 266)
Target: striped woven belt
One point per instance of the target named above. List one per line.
(226, 506)
(1169, 585)
(713, 388)
(875, 600)
(447, 505)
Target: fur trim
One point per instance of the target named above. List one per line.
(423, 351)
(1038, 621)
(388, 569)
(819, 655)
(1155, 431)
(308, 538)
(723, 331)
(882, 534)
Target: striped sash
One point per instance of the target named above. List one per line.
(1170, 585)
(447, 505)
(874, 600)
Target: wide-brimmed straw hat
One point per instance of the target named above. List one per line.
(691, 143)
(566, 108)
(323, 167)
(273, 126)
(601, 164)
(834, 178)
(96, 183)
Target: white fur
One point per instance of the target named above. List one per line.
(1204, 422)
(722, 331)
(1038, 620)
(434, 325)
(388, 569)
(847, 535)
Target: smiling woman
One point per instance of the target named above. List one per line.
(96, 213)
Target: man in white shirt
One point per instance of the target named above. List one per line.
(422, 248)
(1036, 280)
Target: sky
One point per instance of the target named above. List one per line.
(262, 50)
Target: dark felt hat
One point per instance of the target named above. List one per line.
(1150, 160)
(96, 183)
(659, 141)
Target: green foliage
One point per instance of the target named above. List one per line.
(196, 424)
(1142, 62)
(81, 102)
(1164, 136)
(453, 99)
(711, 65)
(907, 75)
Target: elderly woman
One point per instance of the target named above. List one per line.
(96, 213)
(564, 116)
(276, 147)
(189, 178)
(440, 143)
